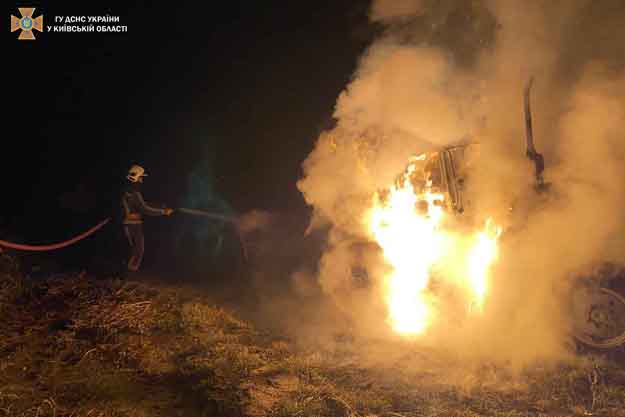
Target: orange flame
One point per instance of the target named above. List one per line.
(481, 257)
(413, 241)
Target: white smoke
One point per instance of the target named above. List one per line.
(409, 96)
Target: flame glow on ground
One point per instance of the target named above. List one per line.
(408, 226)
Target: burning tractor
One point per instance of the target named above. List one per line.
(433, 186)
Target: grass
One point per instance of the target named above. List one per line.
(73, 346)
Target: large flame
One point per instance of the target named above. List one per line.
(408, 226)
(481, 256)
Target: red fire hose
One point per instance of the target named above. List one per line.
(59, 245)
(41, 248)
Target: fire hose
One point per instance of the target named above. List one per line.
(60, 245)
(54, 246)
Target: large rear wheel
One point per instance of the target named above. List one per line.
(598, 317)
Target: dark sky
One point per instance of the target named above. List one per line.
(241, 87)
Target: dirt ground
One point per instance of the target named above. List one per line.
(72, 345)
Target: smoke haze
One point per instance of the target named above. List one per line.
(446, 71)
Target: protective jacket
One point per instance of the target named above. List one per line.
(134, 206)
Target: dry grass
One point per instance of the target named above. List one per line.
(71, 346)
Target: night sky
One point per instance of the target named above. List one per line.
(238, 91)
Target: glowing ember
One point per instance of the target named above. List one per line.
(408, 227)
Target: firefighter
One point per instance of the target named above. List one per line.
(133, 209)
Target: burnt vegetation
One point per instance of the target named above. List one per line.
(78, 346)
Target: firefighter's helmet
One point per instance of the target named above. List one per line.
(136, 173)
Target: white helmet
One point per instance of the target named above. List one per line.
(136, 173)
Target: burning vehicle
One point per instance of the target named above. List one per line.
(439, 248)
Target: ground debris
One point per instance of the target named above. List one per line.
(75, 346)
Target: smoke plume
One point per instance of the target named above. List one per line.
(447, 71)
